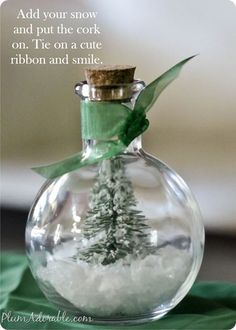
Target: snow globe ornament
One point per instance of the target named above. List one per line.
(115, 234)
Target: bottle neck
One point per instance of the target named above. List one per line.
(132, 148)
(103, 113)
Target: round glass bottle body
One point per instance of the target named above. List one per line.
(120, 241)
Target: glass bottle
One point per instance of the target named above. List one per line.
(120, 241)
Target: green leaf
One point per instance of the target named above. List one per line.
(14, 267)
(151, 92)
(209, 305)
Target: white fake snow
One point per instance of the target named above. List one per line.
(117, 288)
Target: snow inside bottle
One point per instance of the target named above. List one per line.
(120, 240)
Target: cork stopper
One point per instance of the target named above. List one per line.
(109, 75)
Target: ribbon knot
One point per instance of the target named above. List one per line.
(136, 124)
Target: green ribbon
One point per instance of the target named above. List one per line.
(104, 120)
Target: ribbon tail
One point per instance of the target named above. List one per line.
(61, 167)
(151, 92)
(99, 152)
(136, 123)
